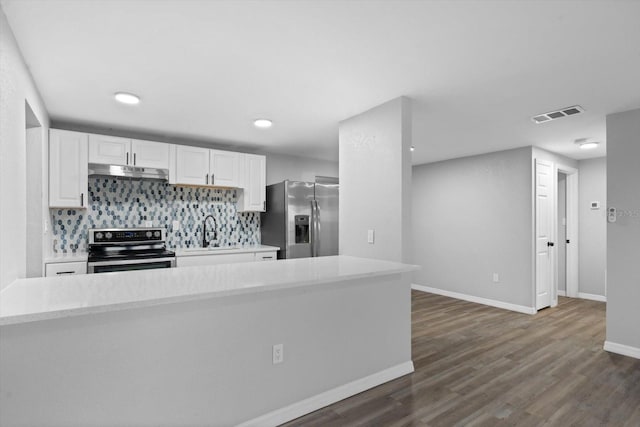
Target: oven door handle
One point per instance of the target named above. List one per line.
(131, 261)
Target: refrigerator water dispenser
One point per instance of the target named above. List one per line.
(302, 228)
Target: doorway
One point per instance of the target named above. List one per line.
(566, 214)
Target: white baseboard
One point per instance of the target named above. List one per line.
(562, 293)
(479, 300)
(622, 349)
(593, 297)
(306, 406)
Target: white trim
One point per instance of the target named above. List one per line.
(625, 350)
(478, 300)
(562, 293)
(306, 406)
(592, 297)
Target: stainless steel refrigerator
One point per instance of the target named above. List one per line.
(302, 218)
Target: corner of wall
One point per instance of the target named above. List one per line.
(17, 87)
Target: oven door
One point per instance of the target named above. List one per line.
(130, 265)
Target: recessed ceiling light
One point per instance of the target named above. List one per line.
(262, 123)
(585, 144)
(127, 98)
(588, 145)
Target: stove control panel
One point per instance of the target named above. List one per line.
(125, 235)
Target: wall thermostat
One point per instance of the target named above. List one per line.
(595, 205)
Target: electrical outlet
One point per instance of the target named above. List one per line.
(370, 236)
(148, 223)
(278, 353)
(496, 278)
(175, 226)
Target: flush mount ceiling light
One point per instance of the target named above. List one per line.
(127, 98)
(585, 144)
(557, 114)
(262, 123)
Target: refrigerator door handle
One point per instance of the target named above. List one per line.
(315, 228)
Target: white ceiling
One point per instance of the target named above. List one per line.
(477, 71)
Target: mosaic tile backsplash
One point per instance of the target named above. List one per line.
(122, 203)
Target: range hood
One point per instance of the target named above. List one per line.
(96, 169)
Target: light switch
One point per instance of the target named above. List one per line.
(148, 223)
(370, 236)
(175, 226)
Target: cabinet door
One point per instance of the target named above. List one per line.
(225, 168)
(149, 154)
(254, 184)
(68, 169)
(109, 150)
(192, 165)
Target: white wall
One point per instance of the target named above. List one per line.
(593, 226)
(375, 181)
(282, 166)
(16, 88)
(472, 218)
(623, 236)
(36, 207)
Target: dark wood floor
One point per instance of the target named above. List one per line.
(477, 365)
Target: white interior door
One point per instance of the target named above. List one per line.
(544, 232)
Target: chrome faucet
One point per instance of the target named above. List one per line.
(205, 243)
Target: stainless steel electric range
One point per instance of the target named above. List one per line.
(126, 249)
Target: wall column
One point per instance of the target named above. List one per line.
(375, 182)
(623, 236)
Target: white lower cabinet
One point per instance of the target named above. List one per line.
(266, 256)
(188, 261)
(64, 268)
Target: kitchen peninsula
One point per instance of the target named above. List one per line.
(201, 345)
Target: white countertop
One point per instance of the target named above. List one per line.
(28, 300)
(82, 256)
(224, 250)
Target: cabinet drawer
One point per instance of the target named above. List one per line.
(266, 256)
(65, 268)
(187, 261)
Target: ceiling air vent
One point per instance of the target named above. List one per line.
(558, 114)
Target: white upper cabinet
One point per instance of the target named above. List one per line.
(202, 166)
(109, 150)
(192, 165)
(254, 179)
(224, 168)
(68, 169)
(149, 154)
